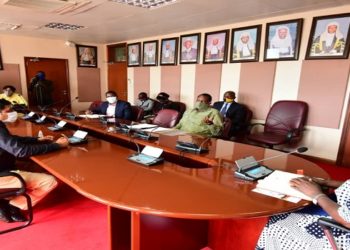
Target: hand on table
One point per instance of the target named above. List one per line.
(63, 142)
(306, 186)
(46, 138)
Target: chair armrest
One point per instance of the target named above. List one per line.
(330, 223)
(292, 133)
(22, 189)
(250, 126)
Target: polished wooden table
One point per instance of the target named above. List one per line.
(142, 200)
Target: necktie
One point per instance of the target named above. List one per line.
(224, 109)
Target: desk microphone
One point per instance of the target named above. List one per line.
(250, 161)
(189, 146)
(65, 106)
(143, 134)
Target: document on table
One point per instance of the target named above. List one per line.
(143, 126)
(277, 185)
(92, 116)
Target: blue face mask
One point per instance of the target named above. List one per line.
(41, 76)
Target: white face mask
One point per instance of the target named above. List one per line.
(11, 117)
(111, 99)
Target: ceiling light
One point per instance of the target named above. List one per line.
(9, 26)
(63, 26)
(148, 4)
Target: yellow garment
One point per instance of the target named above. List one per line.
(193, 122)
(14, 99)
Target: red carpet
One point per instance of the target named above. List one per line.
(67, 220)
(64, 220)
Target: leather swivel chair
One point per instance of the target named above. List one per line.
(327, 225)
(167, 118)
(20, 191)
(137, 113)
(95, 104)
(284, 124)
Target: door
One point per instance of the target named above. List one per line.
(56, 70)
(117, 70)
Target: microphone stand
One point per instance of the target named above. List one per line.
(65, 106)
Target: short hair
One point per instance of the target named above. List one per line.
(3, 104)
(111, 92)
(231, 93)
(9, 87)
(206, 95)
(143, 94)
(162, 96)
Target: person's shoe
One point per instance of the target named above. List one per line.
(5, 215)
(16, 214)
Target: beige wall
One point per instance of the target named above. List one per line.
(15, 48)
(322, 141)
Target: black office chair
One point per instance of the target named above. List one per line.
(20, 191)
(328, 225)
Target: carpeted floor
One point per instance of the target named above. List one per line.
(66, 220)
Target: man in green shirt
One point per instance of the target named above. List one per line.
(202, 119)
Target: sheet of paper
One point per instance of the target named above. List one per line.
(278, 181)
(92, 116)
(142, 126)
(276, 195)
(159, 129)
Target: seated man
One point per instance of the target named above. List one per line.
(113, 107)
(145, 103)
(164, 103)
(202, 119)
(11, 147)
(9, 94)
(233, 111)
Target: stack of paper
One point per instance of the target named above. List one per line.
(278, 182)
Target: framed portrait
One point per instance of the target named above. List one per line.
(190, 48)
(87, 56)
(168, 55)
(134, 54)
(282, 40)
(215, 50)
(150, 53)
(245, 44)
(329, 37)
(1, 65)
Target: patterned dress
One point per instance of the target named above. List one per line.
(300, 231)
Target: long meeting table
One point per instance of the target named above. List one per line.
(167, 206)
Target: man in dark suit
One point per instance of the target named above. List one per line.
(114, 107)
(233, 111)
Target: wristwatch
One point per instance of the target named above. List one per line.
(314, 199)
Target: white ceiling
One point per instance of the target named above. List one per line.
(109, 22)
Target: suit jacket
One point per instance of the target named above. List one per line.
(12, 146)
(122, 110)
(236, 113)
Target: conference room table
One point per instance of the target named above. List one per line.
(170, 205)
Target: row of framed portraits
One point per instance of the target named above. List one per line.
(328, 39)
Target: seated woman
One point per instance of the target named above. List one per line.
(113, 107)
(300, 230)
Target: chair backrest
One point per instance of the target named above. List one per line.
(167, 118)
(95, 104)
(285, 116)
(182, 107)
(137, 113)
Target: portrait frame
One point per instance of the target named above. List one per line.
(221, 53)
(86, 56)
(288, 48)
(134, 59)
(1, 65)
(165, 57)
(236, 54)
(338, 49)
(147, 59)
(192, 56)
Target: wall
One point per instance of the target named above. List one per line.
(279, 81)
(15, 48)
